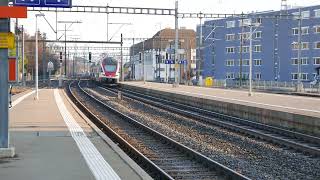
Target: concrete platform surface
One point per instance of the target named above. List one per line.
(308, 106)
(56, 143)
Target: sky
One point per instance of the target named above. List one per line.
(93, 26)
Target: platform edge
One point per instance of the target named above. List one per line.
(135, 167)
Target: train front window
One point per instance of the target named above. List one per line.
(110, 68)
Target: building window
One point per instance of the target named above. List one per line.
(230, 37)
(317, 13)
(295, 31)
(258, 76)
(230, 49)
(258, 48)
(230, 62)
(244, 36)
(244, 22)
(245, 49)
(258, 34)
(304, 76)
(304, 61)
(294, 76)
(258, 20)
(305, 14)
(244, 75)
(304, 46)
(231, 24)
(230, 76)
(316, 61)
(296, 15)
(317, 29)
(257, 62)
(304, 31)
(317, 45)
(245, 62)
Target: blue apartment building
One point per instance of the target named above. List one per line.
(275, 46)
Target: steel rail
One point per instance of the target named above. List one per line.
(221, 170)
(298, 141)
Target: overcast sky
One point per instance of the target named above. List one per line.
(94, 25)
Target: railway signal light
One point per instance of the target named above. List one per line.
(90, 57)
(60, 57)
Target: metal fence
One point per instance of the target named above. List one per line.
(267, 85)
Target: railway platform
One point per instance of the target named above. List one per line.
(292, 112)
(54, 140)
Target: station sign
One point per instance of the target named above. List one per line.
(44, 3)
(169, 62)
(183, 62)
(7, 41)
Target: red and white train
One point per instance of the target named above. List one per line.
(107, 71)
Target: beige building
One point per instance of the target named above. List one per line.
(150, 59)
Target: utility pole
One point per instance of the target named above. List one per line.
(121, 59)
(43, 58)
(143, 63)
(250, 62)
(299, 85)
(65, 50)
(176, 84)
(132, 60)
(200, 58)
(17, 50)
(241, 51)
(22, 49)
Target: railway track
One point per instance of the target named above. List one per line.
(163, 157)
(293, 140)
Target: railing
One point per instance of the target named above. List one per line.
(267, 85)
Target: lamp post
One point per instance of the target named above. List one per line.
(36, 54)
(251, 56)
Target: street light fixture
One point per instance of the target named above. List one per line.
(250, 62)
(36, 54)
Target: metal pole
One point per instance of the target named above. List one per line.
(121, 59)
(299, 53)
(107, 22)
(36, 64)
(65, 50)
(17, 51)
(56, 24)
(241, 50)
(144, 81)
(4, 104)
(250, 62)
(200, 58)
(23, 78)
(43, 59)
(176, 45)
(132, 60)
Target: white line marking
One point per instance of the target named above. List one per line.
(243, 101)
(17, 101)
(97, 164)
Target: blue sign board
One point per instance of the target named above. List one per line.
(169, 62)
(44, 3)
(183, 62)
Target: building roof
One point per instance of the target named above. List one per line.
(164, 38)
